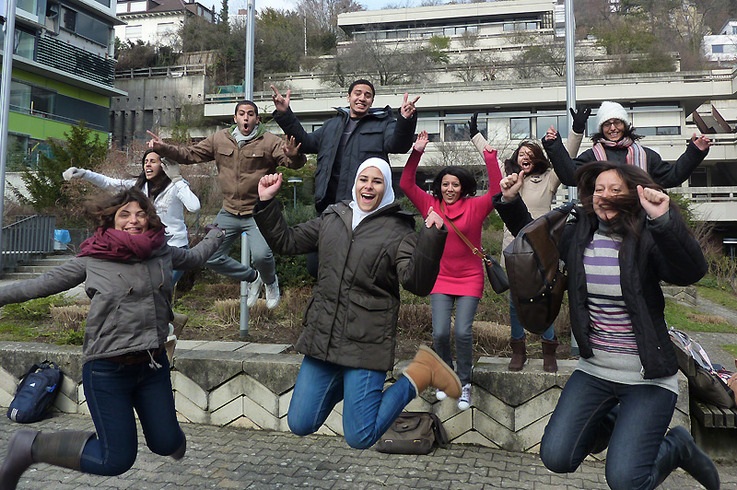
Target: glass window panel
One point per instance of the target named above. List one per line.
(20, 95)
(456, 131)
(519, 128)
(717, 48)
(92, 29)
(68, 19)
(133, 32)
(544, 123)
(121, 8)
(42, 100)
(138, 6)
(668, 130)
(27, 5)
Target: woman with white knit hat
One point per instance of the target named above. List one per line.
(616, 141)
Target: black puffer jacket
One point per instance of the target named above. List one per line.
(378, 133)
(351, 319)
(663, 173)
(664, 251)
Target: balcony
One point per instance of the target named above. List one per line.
(76, 61)
(713, 204)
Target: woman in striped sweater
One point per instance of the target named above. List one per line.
(625, 239)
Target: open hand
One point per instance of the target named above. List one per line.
(291, 147)
(654, 202)
(473, 127)
(579, 118)
(702, 142)
(422, 140)
(268, 186)
(408, 107)
(281, 102)
(433, 218)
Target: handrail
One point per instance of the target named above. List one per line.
(29, 236)
(162, 71)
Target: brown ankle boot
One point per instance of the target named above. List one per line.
(427, 369)
(550, 365)
(519, 354)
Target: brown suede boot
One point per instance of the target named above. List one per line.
(427, 369)
(519, 354)
(550, 365)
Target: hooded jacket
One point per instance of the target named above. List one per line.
(351, 319)
(130, 305)
(664, 251)
(239, 169)
(378, 133)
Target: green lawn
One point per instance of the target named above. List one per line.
(718, 296)
(686, 318)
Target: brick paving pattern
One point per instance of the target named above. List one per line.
(237, 458)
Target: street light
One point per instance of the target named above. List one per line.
(295, 181)
(428, 183)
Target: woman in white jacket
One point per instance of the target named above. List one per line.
(162, 182)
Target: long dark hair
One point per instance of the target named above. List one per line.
(468, 183)
(629, 209)
(540, 162)
(101, 209)
(629, 132)
(156, 185)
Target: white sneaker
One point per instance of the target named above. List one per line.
(464, 402)
(272, 294)
(440, 395)
(253, 290)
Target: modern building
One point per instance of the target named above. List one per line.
(63, 72)
(722, 47)
(156, 21)
(513, 107)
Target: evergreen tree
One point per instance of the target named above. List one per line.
(45, 185)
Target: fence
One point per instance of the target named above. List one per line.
(30, 235)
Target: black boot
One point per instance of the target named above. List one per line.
(680, 450)
(60, 448)
(179, 453)
(18, 459)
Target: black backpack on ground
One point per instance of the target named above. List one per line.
(536, 280)
(35, 394)
(413, 433)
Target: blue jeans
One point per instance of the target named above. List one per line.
(367, 410)
(113, 391)
(176, 275)
(261, 257)
(442, 308)
(644, 414)
(518, 332)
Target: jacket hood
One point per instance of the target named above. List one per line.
(260, 130)
(373, 112)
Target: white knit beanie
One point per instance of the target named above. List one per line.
(611, 110)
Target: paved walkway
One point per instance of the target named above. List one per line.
(242, 458)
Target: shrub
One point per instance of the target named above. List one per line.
(35, 309)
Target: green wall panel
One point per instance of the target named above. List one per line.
(41, 128)
(63, 88)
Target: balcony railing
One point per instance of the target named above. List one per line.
(162, 71)
(74, 60)
(27, 237)
(707, 194)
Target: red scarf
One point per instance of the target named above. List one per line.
(112, 244)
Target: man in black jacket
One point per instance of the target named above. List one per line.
(355, 134)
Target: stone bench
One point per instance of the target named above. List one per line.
(250, 385)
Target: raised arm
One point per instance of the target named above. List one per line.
(565, 167)
(204, 151)
(287, 153)
(106, 182)
(674, 175)
(408, 183)
(399, 134)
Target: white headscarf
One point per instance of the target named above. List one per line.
(386, 199)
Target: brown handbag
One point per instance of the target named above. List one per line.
(494, 271)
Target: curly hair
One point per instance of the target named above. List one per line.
(101, 209)
(540, 162)
(468, 183)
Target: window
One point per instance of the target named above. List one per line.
(668, 130)
(162, 29)
(456, 131)
(121, 8)
(717, 48)
(85, 26)
(734, 29)
(31, 99)
(25, 43)
(138, 6)
(560, 123)
(519, 128)
(69, 19)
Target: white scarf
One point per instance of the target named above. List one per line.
(386, 199)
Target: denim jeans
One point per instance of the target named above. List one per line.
(176, 275)
(442, 308)
(368, 409)
(113, 391)
(644, 414)
(518, 332)
(261, 257)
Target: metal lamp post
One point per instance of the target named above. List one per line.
(295, 181)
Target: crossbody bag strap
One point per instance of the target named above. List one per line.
(475, 250)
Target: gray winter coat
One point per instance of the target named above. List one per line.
(130, 307)
(351, 319)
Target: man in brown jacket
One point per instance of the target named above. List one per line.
(243, 154)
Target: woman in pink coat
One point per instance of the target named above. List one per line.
(461, 278)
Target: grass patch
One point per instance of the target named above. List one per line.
(684, 318)
(719, 296)
(732, 349)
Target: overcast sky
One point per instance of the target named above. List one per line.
(234, 5)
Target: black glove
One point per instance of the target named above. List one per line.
(473, 128)
(580, 118)
(213, 226)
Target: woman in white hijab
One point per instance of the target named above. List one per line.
(366, 247)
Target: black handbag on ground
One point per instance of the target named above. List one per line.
(35, 394)
(494, 271)
(413, 433)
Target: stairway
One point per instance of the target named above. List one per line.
(37, 267)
